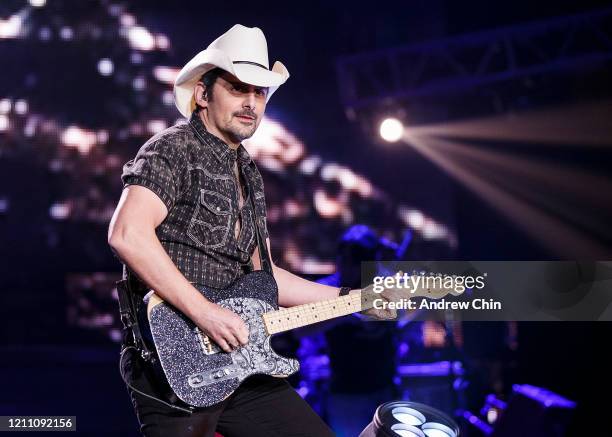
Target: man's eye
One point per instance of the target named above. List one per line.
(261, 91)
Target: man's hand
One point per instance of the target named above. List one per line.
(223, 326)
(388, 295)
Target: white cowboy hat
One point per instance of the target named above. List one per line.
(241, 51)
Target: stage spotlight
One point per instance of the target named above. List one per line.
(105, 67)
(5, 106)
(21, 107)
(168, 98)
(44, 34)
(410, 419)
(162, 42)
(139, 83)
(391, 130)
(4, 205)
(66, 33)
(165, 74)
(141, 39)
(81, 139)
(60, 211)
(11, 27)
(127, 20)
(408, 416)
(4, 123)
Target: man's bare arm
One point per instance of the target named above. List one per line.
(132, 237)
(293, 290)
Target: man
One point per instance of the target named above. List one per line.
(185, 218)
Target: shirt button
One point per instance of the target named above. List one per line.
(218, 208)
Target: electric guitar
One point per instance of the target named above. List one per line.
(201, 374)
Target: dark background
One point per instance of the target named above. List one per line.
(59, 329)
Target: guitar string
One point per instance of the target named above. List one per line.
(326, 309)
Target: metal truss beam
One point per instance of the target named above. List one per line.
(462, 62)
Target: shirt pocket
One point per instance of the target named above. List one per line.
(210, 224)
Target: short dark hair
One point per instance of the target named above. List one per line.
(208, 79)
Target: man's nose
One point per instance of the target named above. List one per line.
(249, 101)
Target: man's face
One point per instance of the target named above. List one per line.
(236, 108)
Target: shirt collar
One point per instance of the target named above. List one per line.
(220, 149)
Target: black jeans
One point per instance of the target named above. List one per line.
(262, 406)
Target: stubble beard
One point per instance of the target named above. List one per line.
(240, 133)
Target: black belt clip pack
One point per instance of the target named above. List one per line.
(127, 292)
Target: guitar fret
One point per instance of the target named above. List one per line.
(303, 315)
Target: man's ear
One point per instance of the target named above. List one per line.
(200, 94)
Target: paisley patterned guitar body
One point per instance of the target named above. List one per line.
(199, 372)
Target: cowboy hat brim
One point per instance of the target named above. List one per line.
(210, 58)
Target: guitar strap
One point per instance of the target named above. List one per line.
(259, 223)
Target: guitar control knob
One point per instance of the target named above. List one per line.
(195, 380)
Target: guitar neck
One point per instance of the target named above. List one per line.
(307, 314)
